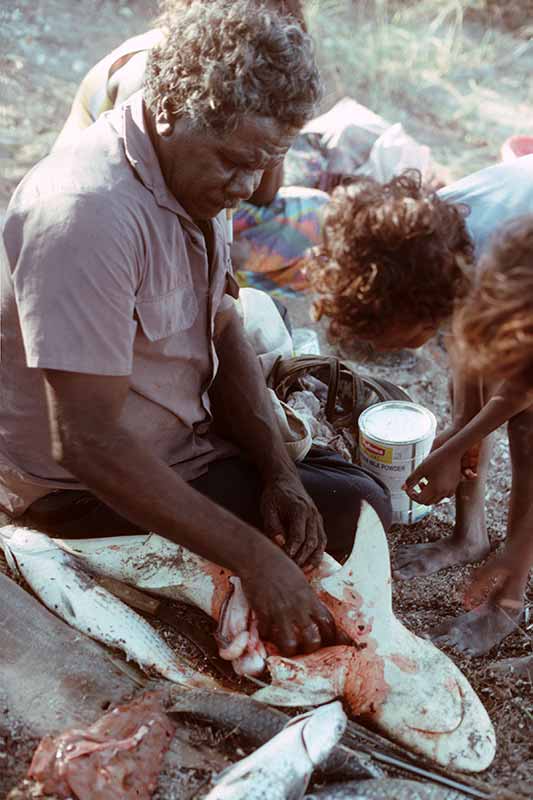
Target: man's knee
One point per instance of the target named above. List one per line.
(340, 502)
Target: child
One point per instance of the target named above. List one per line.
(395, 263)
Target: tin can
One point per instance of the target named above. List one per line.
(394, 437)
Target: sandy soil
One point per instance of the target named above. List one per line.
(46, 46)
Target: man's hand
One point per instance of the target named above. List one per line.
(292, 520)
(290, 614)
(436, 477)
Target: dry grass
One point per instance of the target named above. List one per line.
(455, 83)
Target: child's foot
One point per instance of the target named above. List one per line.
(518, 667)
(478, 631)
(415, 560)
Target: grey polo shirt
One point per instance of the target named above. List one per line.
(103, 272)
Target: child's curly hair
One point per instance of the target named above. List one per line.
(392, 252)
(494, 328)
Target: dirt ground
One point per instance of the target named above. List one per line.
(46, 46)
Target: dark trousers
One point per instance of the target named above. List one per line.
(336, 487)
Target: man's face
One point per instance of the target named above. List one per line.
(400, 336)
(206, 172)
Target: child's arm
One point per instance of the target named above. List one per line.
(440, 472)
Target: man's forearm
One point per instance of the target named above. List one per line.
(242, 405)
(119, 470)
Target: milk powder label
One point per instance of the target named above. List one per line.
(376, 452)
(394, 437)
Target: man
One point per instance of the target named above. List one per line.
(121, 347)
(275, 227)
(397, 259)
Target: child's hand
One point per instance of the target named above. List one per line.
(487, 583)
(436, 477)
(444, 436)
(470, 461)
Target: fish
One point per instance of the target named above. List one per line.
(403, 685)
(258, 723)
(72, 594)
(387, 789)
(281, 768)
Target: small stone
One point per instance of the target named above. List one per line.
(79, 66)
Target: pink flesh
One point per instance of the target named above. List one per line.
(236, 648)
(356, 672)
(120, 755)
(403, 663)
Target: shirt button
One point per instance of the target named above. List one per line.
(201, 428)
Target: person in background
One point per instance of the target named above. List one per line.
(131, 398)
(281, 222)
(397, 260)
(276, 226)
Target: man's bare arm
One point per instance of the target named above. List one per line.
(89, 440)
(244, 413)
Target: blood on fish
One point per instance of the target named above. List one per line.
(404, 663)
(221, 587)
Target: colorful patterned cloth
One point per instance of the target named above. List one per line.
(272, 240)
(278, 236)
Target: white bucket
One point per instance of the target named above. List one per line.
(394, 437)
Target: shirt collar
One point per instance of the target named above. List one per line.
(141, 154)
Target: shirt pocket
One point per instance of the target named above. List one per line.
(169, 313)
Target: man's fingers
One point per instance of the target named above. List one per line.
(326, 624)
(296, 536)
(312, 543)
(311, 638)
(272, 524)
(283, 635)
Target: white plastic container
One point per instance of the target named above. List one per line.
(394, 437)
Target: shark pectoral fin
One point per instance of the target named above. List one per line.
(367, 569)
(432, 709)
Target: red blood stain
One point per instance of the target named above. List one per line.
(404, 663)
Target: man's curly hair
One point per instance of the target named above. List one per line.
(293, 7)
(494, 327)
(391, 253)
(223, 60)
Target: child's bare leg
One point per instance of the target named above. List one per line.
(486, 626)
(468, 542)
